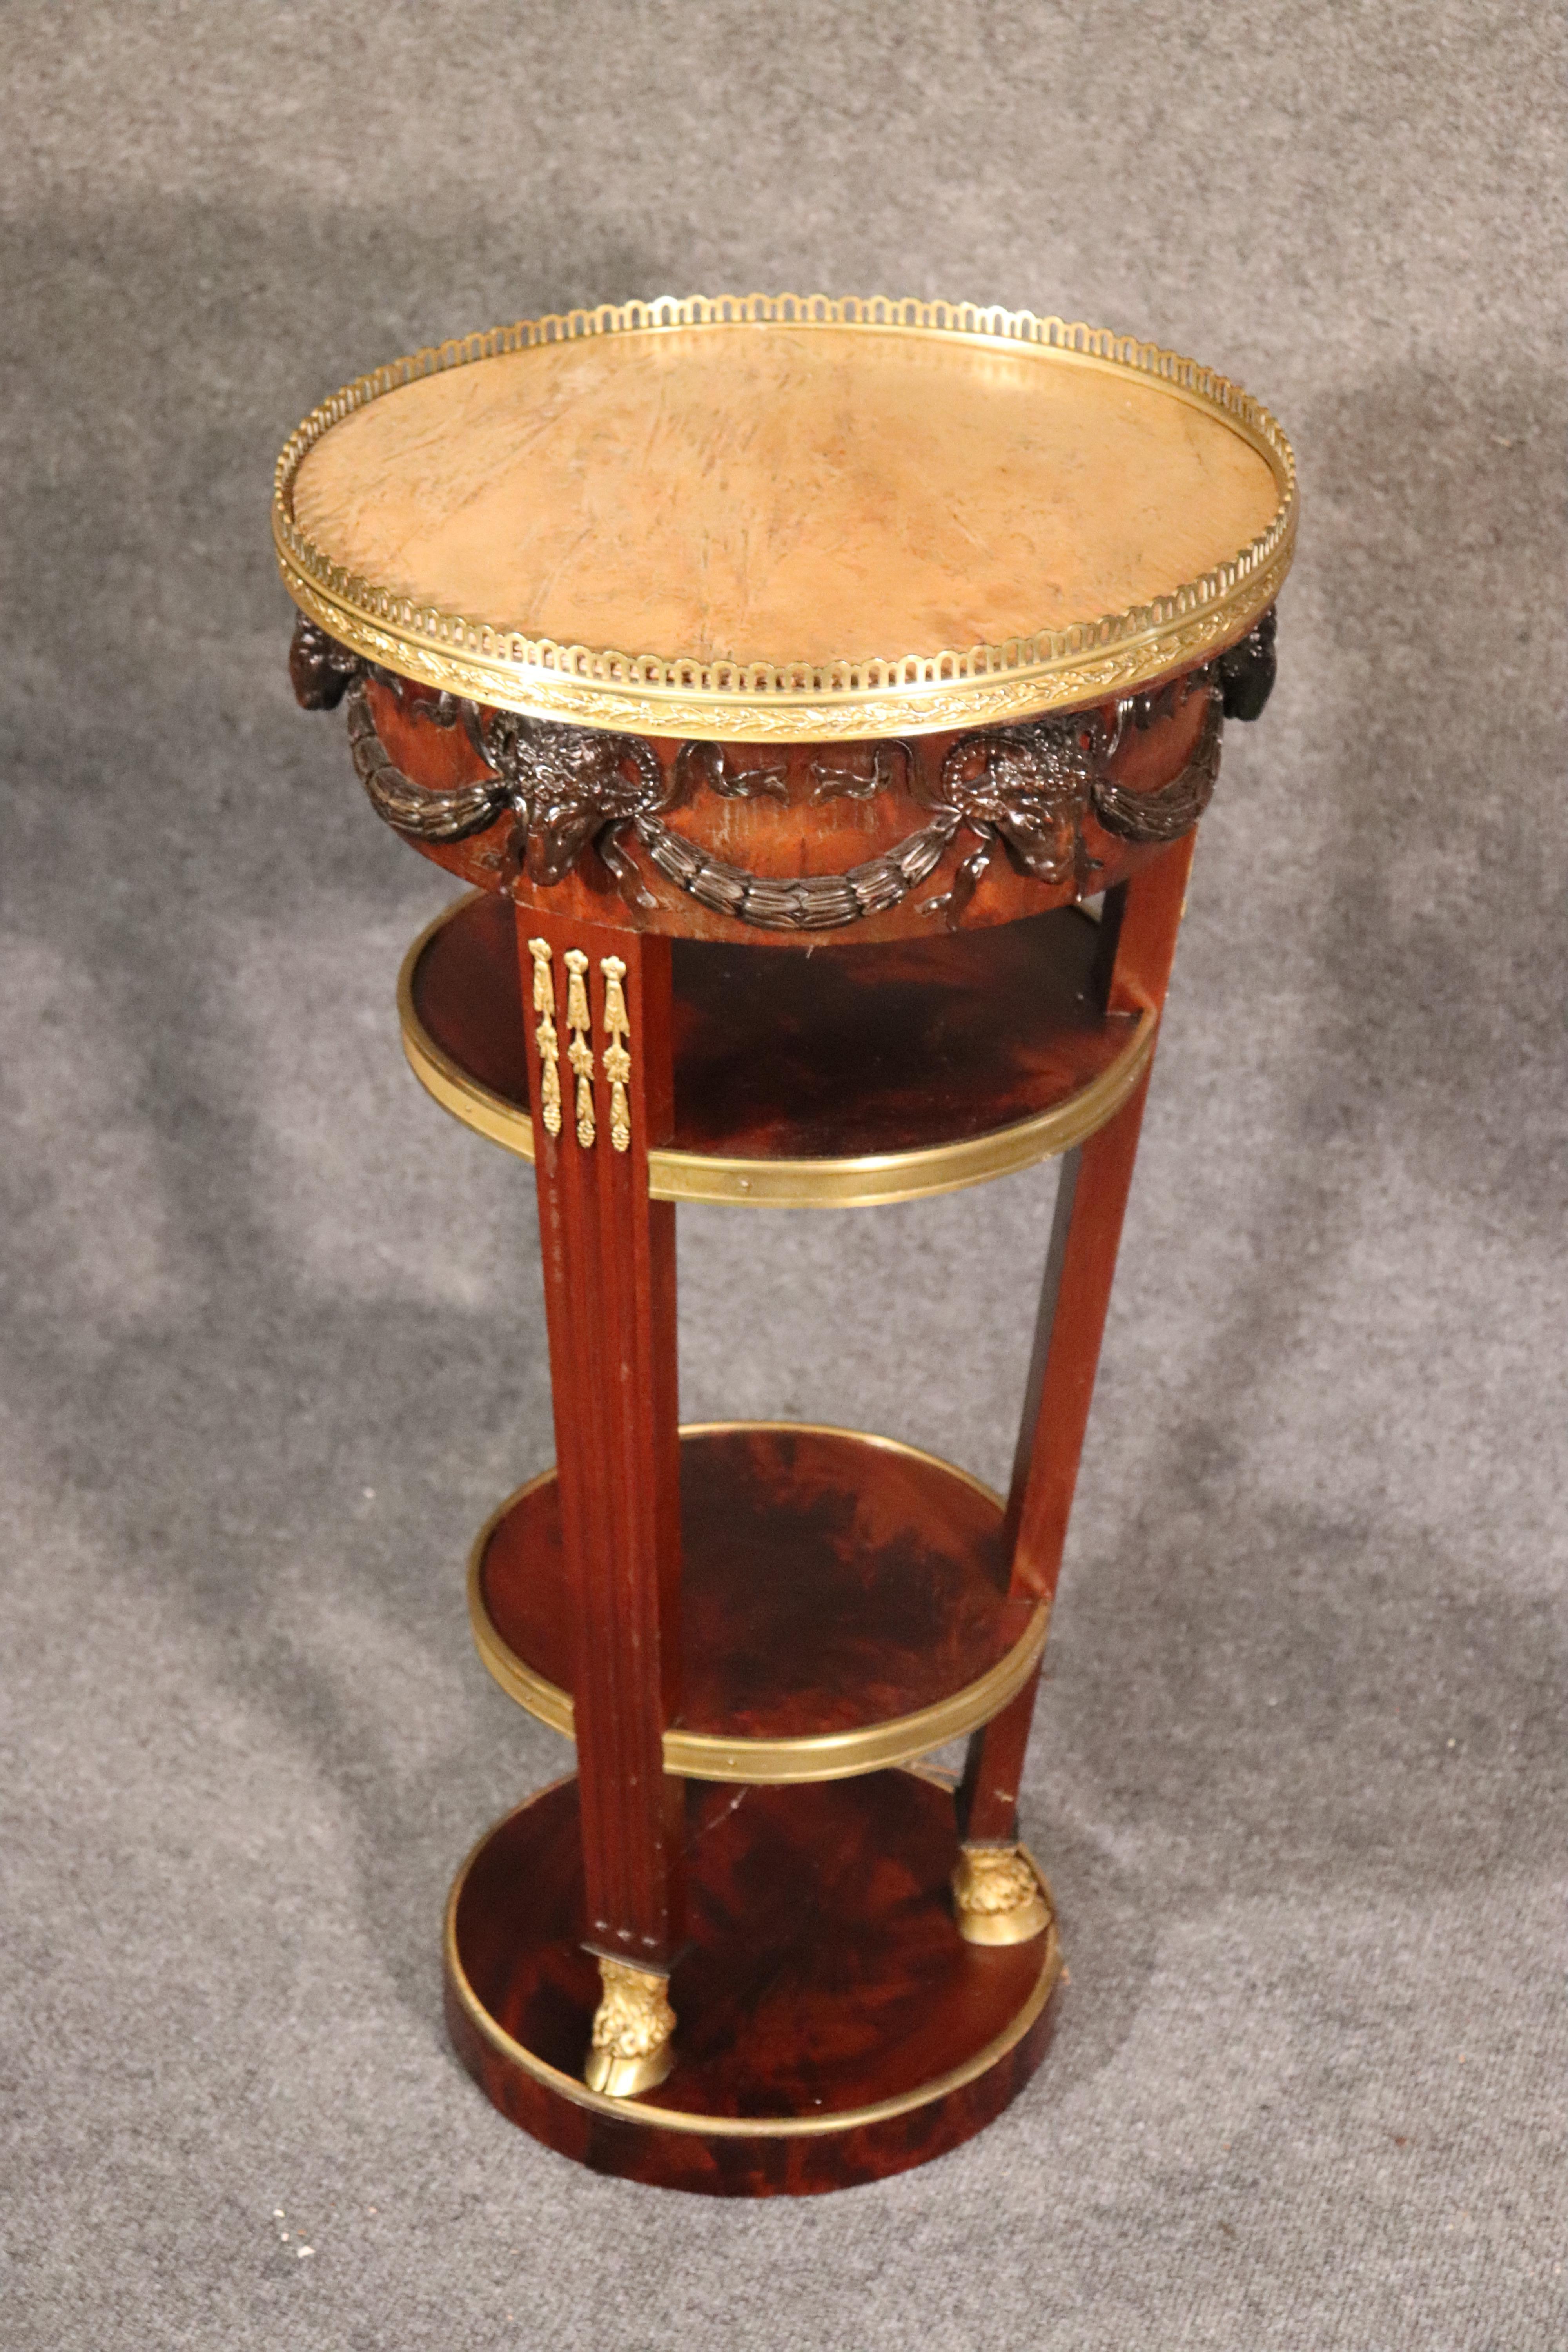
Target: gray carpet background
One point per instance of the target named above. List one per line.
(272, 1341)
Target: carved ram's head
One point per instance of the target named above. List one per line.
(567, 784)
(1033, 790)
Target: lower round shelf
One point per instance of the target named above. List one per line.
(844, 1604)
(837, 1077)
(833, 2026)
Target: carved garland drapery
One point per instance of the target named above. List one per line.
(1025, 789)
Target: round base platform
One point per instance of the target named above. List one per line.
(833, 2027)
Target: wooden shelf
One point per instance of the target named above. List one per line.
(837, 1077)
(844, 1604)
(834, 2025)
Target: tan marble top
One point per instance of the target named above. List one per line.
(775, 517)
(773, 494)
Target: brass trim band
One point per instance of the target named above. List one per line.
(812, 2126)
(804, 701)
(870, 1182)
(815, 1755)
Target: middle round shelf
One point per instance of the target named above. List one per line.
(827, 1078)
(844, 1604)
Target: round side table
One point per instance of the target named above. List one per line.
(951, 607)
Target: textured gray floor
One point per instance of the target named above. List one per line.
(273, 1347)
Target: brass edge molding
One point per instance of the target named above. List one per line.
(875, 1181)
(444, 1080)
(883, 1179)
(800, 701)
(813, 2126)
(801, 1757)
(1132, 664)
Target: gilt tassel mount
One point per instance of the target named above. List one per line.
(545, 1038)
(618, 1057)
(580, 1051)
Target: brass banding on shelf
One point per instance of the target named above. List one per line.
(814, 1756)
(720, 2126)
(871, 1181)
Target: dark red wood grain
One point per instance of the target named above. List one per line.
(608, 1259)
(1142, 922)
(1142, 919)
(845, 1051)
(826, 1583)
(808, 831)
(824, 1974)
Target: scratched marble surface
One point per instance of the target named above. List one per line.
(780, 495)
